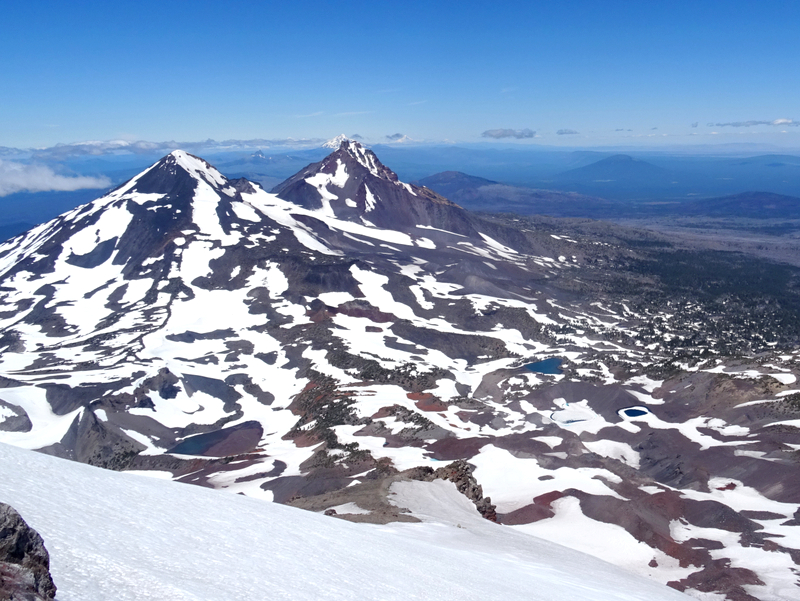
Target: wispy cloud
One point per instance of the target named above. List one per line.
(775, 122)
(567, 132)
(519, 134)
(20, 177)
(507, 90)
(315, 114)
(417, 102)
(61, 152)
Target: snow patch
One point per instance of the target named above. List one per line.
(197, 544)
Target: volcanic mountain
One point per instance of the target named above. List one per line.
(315, 345)
(449, 183)
(619, 167)
(621, 177)
(353, 185)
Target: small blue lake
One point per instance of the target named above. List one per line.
(199, 444)
(550, 366)
(634, 412)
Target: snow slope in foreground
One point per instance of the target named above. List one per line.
(128, 537)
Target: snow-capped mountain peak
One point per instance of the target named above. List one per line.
(336, 142)
(367, 158)
(178, 194)
(352, 184)
(196, 167)
(176, 172)
(363, 156)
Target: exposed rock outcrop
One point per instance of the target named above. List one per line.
(460, 473)
(24, 561)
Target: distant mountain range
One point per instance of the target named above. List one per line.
(270, 169)
(608, 177)
(618, 172)
(751, 205)
(479, 194)
(643, 177)
(452, 183)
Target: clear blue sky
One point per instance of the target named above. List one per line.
(76, 71)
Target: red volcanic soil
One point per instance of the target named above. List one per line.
(358, 309)
(540, 509)
(304, 439)
(525, 515)
(425, 401)
(449, 449)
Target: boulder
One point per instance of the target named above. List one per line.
(24, 562)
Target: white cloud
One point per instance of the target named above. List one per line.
(398, 138)
(519, 134)
(19, 177)
(790, 122)
(61, 152)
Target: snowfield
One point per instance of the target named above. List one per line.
(131, 538)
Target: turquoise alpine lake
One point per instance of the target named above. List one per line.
(550, 366)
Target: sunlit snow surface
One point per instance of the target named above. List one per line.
(130, 538)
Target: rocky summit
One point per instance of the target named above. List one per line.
(351, 184)
(314, 344)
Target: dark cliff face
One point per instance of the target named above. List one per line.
(24, 562)
(352, 184)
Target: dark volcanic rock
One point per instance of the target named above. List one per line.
(24, 561)
(17, 422)
(719, 577)
(98, 444)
